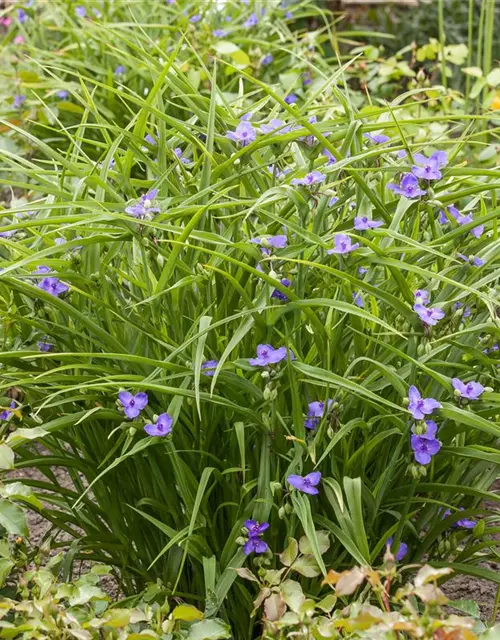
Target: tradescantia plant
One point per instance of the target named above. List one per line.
(233, 300)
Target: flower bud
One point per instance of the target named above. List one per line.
(281, 513)
(421, 75)
(428, 347)
(240, 540)
(488, 389)
(132, 431)
(265, 375)
(413, 470)
(288, 508)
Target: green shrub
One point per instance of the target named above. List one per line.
(141, 304)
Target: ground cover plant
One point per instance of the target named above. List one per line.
(243, 301)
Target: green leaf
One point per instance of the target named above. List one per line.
(187, 613)
(306, 566)
(12, 518)
(6, 457)
(212, 629)
(493, 78)
(288, 556)
(323, 539)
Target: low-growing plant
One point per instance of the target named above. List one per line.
(235, 306)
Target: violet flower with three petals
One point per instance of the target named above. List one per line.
(306, 484)
(316, 410)
(54, 286)
(428, 316)
(144, 208)
(162, 426)
(244, 134)
(409, 187)
(314, 177)
(133, 405)
(362, 223)
(266, 355)
(469, 390)
(420, 407)
(425, 445)
(342, 244)
(376, 138)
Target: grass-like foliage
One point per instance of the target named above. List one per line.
(143, 240)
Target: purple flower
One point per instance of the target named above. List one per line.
(144, 208)
(219, 33)
(196, 18)
(362, 271)
(208, 367)
(54, 286)
(119, 70)
(7, 234)
(274, 242)
(63, 94)
(291, 98)
(402, 549)
(401, 154)
(452, 210)
(275, 124)
(267, 355)
(22, 16)
(343, 244)
(42, 269)
(422, 296)
(150, 140)
(44, 346)
(425, 445)
(251, 21)
(255, 545)
(333, 200)
(316, 410)
(466, 523)
(331, 158)
(361, 223)
(277, 173)
(162, 426)
(255, 529)
(80, 11)
(267, 59)
(180, 157)
(428, 316)
(19, 101)
(478, 231)
(358, 300)
(314, 177)
(133, 405)
(409, 187)
(5, 415)
(420, 407)
(278, 294)
(429, 169)
(376, 138)
(244, 134)
(469, 390)
(477, 262)
(306, 484)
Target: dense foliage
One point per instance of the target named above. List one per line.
(243, 300)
